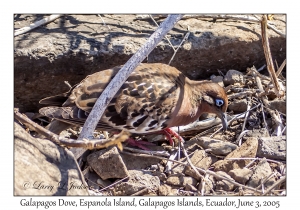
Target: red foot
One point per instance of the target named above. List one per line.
(168, 132)
(139, 144)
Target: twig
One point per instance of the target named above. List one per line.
(261, 68)
(85, 143)
(36, 24)
(262, 185)
(104, 22)
(279, 123)
(199, 125)
(190, 162)
(272, 27)
(281, 68)
(121, 76)
(253, 70)
(68, 84)
(246, 116)
(169, 163)
(141, 192)
(264, 180)
(249, 164)
(113, 184)
(283, 130)
(265, 122)
(159, 153)
(277, 119)
(241, 94)
(230, 121)
(239, 139)
(259, 85)
(269, 160)
(267, 51)
(183, 40)
(278, 182)
(203, 185)
(164, 36)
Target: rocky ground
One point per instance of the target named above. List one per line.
(248, 159)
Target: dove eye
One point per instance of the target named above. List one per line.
(219, 102)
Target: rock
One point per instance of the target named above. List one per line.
(189, 187)
(238, 106)
(200, 160)
(240, 175)
(165, 189)
(262, 171)
(44, 168)
(95, 182)
(222, 184)
(247, 149)
(177, 168)
(273, 147)
(180, 180)
(233, 76)
(278, 105)
(192, 145)
(262, 132)
(108, 163)
(217, 147)
(162, 176)
(136, 163)
(208, 184)
(218, 79)
(138, 180)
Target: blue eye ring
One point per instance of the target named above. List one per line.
(219, 102)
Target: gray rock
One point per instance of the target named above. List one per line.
(44, 168)
(138, 180)
(162, 176)
(247, 149)
(180, 180)
(136, 163)
(262, 171)
(241, 175)
(238, 105)
(234, 76)
(273, 147)
(200, 160)
(189, 187)
(279, 105)
(218, 79)
(257, 133)
(217, 147)
(222, 184)
(108, 163)
(165, 189)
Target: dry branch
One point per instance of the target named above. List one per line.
(121, 76)
(36, 24)
(267, 51)
(281, 68)
(85, 143)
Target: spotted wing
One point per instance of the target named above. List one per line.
(143, 104)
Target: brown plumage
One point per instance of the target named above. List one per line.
(154, 97)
